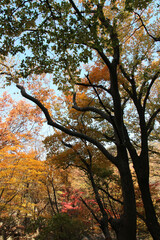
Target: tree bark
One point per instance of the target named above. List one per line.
(151, 219)
(104, 221)
(141, 166)
(126, 226)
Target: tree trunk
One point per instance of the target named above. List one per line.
(151, 219)
(141, 165)
(126, 226)
(104, 228)
(104, 221)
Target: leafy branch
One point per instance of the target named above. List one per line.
(64, 129)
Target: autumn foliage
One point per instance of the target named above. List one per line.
(81, 149)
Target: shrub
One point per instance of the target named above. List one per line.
(62, 227)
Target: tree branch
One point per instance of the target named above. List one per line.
(55, 197)
(110, 196)
(100, 52)
(50, 201)
(113, 34)
(125, 74)
(91, 109)
(94, 85)
(149, 124)
(52, 13)
(156, 39)
(98, 96)
(78, 154)
(90, 209)
(66, 130)
(76, 9)
(149, 88)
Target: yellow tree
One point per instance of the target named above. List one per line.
(28, 185)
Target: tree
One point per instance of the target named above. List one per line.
(21, 172)
(75, 33)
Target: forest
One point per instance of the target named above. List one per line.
(79, 120)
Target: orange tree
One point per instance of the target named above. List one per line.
(60, 35)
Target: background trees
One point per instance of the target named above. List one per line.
(32, 191)
(113, 106)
